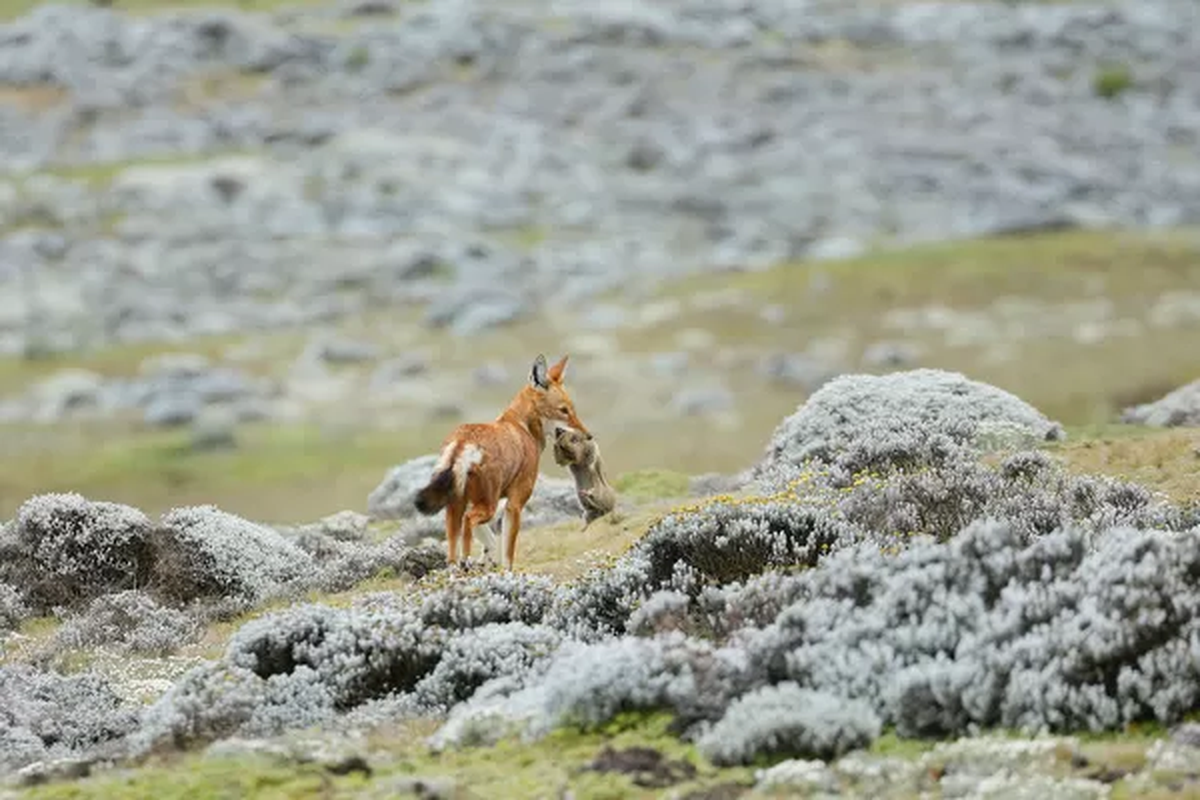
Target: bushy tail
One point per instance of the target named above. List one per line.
(436, 494)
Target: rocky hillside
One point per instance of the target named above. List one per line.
(216, 171)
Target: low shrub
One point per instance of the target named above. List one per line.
(787, 721)
(133, 622)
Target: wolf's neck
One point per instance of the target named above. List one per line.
(522, 412)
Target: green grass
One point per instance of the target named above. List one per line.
(510, 769)
(651, 484)
(277, 474)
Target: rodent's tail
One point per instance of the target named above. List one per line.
(436, 494)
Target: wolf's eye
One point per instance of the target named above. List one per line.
(564, 409)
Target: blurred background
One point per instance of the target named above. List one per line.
(255, 254)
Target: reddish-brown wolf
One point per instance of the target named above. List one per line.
(484, 463)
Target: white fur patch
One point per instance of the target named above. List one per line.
(467, 458)
(443, 461)
(505, 536)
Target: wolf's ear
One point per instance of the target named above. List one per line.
(538, 378)
(556, 372)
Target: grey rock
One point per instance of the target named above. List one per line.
(1187, 734)
(491, 374)
(221, 385)
(554, 500)
(337, 350)
(397, 370)
(669, 365)
(835, 249)
(797, 370)
(393, 497)
(61, 769)
(701, 400)
(713, 483)
(345, 526)
(369, 8)
(1179, 408)
(214, 428)
(172, 409)
(605, 317)
(425, 787)
(471, 311)
(891, 354)
(175, 366)
(64, 392)
(809, 776)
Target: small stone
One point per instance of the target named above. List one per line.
(702, 400)
(424, 788)
(1187, 734)
(63, 769)
(890, 354)
(174, 365)
(669, 365)
(835, 249)
(345, 526)
(490, 374)
(215, 428)
(811, 776)
(172, 410)
(65, 391)
(796, 369)
(346, 351)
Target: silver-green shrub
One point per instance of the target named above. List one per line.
(132, 622)
(785, 720)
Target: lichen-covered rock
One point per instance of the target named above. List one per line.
(64, 550)
(903, 419)
(1179, 408)
(201, 551)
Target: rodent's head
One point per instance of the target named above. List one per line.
(572, 447)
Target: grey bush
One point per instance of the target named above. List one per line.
(724, 610)
(296, 668)
(1028, 490)
(785, 720)
(1071, 630)
(476, 656)
(1179, 408)
(902, 419)
(726, 541)
(586, 685)
(599, 603)
(64, 550)
(12, 607)
(132, 621)
(340, 564)
(1074, 631)
(202, 551)
(44, 715)
(488, 598)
